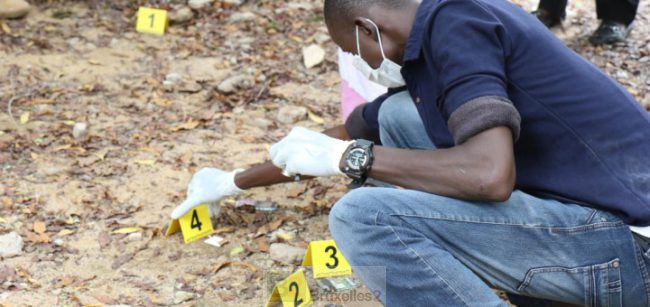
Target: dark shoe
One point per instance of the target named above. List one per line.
(548, 19)
(609, 32)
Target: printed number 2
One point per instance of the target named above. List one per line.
(296, 301)
(152, 19)
(333, 256)
(195, 221)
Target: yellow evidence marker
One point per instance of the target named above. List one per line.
(153, 21)
(195, 224)
(293, 292)
(326, 259)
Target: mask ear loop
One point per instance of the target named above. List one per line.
(358, 44)
(381, 45)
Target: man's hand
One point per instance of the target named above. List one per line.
(209, 185)
(310, 153)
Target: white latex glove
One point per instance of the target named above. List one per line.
(310, 153)
(208, 186)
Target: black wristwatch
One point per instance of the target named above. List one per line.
(358, 159)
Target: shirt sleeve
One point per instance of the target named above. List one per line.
(469, 49)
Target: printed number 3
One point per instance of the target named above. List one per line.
(152, 19)
(333, 256)
(296, 301)
(195, 221)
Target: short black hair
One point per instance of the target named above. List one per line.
(340, 12)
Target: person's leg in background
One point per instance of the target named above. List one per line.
(13, 8)
(551, 12)
(616, 18)
(447, 252)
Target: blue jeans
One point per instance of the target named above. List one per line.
(441, 251)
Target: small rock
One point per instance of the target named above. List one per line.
(173, 77)
(233, 2)
(171, 80)
(322, 38)
(134, 237)
(14, 9)
(80, 131)
(181, 15)
(182, 296)
(313, 55)
(234, 83)
(58, 242)
(168, 86)
(11, 245)
(286, 253)
(199, 4)
(242, 17)
(53, 170)
(257, 122)
(291, 114)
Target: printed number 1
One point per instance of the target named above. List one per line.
(195, 221)
(296, 301)
(152, 19)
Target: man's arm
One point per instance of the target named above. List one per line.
(480, 169)
(267, 174)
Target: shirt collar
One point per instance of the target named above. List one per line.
(416, 37)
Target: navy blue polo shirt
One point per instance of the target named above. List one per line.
(582, 137)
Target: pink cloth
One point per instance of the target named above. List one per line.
(356, 89)
(349, 100)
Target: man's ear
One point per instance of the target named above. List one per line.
(366, 28)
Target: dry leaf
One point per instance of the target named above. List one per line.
(63, 147)
(127, 230)
(43, 101)
(64, 281)
(315, 118)
(227, 297)
(145, 162)
(263, 245)
(5, 27)
(272, 226)
(226, 264)
(24, 118)
(186, 126)
(295, 192)
(224, 230)
(39, 227)
(64, 232)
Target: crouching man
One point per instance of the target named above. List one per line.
(522, 166)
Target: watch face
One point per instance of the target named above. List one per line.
(357, 158)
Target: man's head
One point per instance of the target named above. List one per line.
(394, 18)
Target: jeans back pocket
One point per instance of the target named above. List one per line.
(596, 285)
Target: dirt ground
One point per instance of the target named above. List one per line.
(241, 70)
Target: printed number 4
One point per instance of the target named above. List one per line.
(152, 16)
(333, 256)
(195, 221)
(296, 301)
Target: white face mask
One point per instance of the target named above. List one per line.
(388, 74)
